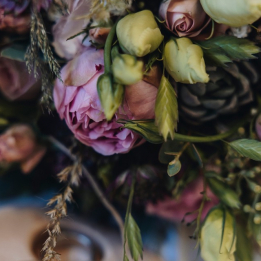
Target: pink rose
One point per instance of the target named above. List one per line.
(15, 24)
(19, 144)
(189, 201)
(186, 18)
(67, 26)
(79, 104)
(16, 82)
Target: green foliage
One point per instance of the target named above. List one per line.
(174, 168)
(247, 148)
(224, 193)
(224, 49)
(166, 109)
(244, 250)
(147, 129)
(14, 52)
(110, 94)
(134, 238)
(153, 57)
(132, 234)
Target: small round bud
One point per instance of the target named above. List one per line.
(257, 219)
(258, 206)
(247, 209)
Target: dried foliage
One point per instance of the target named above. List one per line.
(100, 7)
(71, 175)
(48, 68)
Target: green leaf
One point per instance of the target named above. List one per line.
(244, 250)
(152, 59)
(174, 169)
(224, 193)
(131, 230)
(110, 94)
(125, 258)
(147, 129)
(166, 109)
(14, 52)
(169, 146)
(247, 148)
(197, 155)
(223, 49)
(134, 238)
(218, 230)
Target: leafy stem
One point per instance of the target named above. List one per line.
(128, 214)
(107, 49)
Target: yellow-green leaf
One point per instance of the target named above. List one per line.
(134, 238)
(247, 148)
(166, 109)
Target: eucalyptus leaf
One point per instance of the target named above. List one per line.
(14, 52)
(166, 109)
(247, 148)
(174, 169)
(134, 238)
(223, 49)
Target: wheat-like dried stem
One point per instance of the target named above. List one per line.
(71, 175)
(94, 185)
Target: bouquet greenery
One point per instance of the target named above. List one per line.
(180, 75)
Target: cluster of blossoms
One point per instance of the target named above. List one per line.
(131, 75)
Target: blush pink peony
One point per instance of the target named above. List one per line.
(189, 201)
(76, 100)
(186, 18)
(16, 82)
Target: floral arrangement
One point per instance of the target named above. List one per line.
(163, 97)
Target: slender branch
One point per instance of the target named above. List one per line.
(94, 185)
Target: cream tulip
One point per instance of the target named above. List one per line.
(184, 61)
(139, 33)
(127, 69)
(234, 13)
(218, 239)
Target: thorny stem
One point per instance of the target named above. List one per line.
(94, 185)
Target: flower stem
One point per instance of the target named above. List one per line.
(94, 185)
(107, 49)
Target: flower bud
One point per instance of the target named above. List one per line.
(218, 239)
(224, 193)
(127, 70)
(139, 33)
(234, 13)
(184, 61)
(110, 94)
